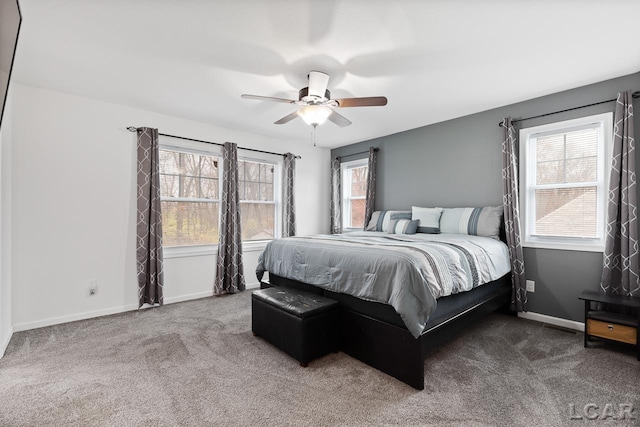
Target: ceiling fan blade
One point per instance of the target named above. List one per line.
(318, 82)
(339, 119)
(372, 101)
(268, 98)
(287, 118)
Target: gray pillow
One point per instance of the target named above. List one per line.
(474, 221)
(380, 219)
(403, 226)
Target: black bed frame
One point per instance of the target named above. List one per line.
(391, 348)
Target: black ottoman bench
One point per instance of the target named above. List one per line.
(303, 325)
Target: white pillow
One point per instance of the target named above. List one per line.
(429, 219)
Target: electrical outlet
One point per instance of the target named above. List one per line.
(92, 287)
(531, 286)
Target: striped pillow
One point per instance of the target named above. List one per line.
(403, 226)
(474, 221)
(380, 219)
(429, 219)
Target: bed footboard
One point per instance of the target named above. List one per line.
(434, 337)
(386, 347)
(391, 348)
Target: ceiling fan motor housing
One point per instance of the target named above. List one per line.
(303, 95)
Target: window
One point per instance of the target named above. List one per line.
(257, 199)
(564, 172)
(190, 194)
(190, 188)
(354, 189)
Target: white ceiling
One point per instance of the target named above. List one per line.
(434, 60)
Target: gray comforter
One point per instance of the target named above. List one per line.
(408, 272)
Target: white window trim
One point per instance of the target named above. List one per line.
(346, 183)
(206, 250)
(188, 251)
(170, 252)
(213, 150)
(527, 174)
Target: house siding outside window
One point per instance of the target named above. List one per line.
(354, 189)
(564, 172)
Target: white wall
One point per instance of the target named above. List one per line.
(74, 205)
(6, 327)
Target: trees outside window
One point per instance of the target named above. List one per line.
(190, 193)
(257, 200)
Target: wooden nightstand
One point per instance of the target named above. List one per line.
(609, 325)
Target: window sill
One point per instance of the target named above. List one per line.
(209, 250)
(254, 246)
(189, 251)
(565, 246)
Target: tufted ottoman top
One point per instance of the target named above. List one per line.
(299, 303)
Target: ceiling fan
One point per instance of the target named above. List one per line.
(317, 105)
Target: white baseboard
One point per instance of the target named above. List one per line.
(557, 321)
(188, 297)
(5, 344)
(50, 321)
(108, 311)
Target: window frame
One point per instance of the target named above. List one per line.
(193, 250)
(527, 138)
(172, 144)
(277, 197)
(345, 186)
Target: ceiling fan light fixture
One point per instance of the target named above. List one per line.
(314, 115)
(316, 100)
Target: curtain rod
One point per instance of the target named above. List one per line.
(355, 154)
(635, 95)
(134, 129)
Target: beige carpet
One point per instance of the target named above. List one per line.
(197, 364)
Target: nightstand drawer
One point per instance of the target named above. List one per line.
(612, 331)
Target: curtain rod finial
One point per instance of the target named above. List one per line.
(132, 129)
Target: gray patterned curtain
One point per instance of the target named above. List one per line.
(149, 220)
(229, 268)
(289, 214)
(512, 217)
(371, 186)
(336, 198)
(620, 260)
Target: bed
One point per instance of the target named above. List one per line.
(400, 295)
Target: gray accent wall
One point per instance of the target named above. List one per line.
(458, 163)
